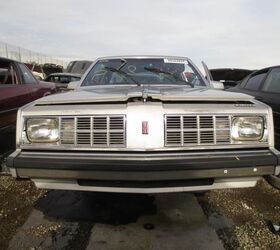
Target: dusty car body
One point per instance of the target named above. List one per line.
(17, 87)
(144, 124)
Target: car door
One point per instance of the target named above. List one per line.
(13, 94)
(270, 94)
(31, 83)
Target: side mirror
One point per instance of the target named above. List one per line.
(217, 85)
(73, 85)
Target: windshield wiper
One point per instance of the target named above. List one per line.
(124, 62)
(123, 73)
(159, 71)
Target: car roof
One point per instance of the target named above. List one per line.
(5, 59)
(271, 67)
(143, 57)
(65, 74)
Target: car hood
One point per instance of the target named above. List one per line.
(123, 93)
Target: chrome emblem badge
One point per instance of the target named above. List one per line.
(145, 128)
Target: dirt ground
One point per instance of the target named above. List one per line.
(239, 216)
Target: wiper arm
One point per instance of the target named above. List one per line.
(124, 62)
(123, 73)
(158, 71)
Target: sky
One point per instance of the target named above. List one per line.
(236, 33)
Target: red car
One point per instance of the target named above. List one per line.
(18, 87)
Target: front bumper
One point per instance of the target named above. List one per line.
(143, 166)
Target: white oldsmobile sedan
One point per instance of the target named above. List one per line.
(144, 124)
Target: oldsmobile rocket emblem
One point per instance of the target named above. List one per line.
(145, 128)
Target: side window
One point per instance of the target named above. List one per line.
(8, 74)
(83, 65)
(4, 73)
(55, 79)
(27, 75)
(73, 79)
(255, 81)
(272, 83)
(64, 79)
(243, 82)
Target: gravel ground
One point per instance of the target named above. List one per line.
(16, 201)
(241, 216)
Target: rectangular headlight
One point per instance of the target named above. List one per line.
(247, 128)
(42, 129)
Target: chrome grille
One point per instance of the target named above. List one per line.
(191, 130)
(93, 131)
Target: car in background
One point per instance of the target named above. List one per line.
(79, 67)
(61, 80)
(39, 76)
(50, 68)
(228, 76)
(18, 87)
(41, 71)
(264, 85)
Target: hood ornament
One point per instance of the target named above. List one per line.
(145, 95)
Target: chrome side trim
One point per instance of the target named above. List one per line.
(38, 147)
(218, 184)
(8, 111)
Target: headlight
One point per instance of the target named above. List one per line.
(247, 128)
(42, 129)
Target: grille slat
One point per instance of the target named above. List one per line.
(67, 134)
(93, 131)
(191, 130)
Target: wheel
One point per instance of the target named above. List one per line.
(273, 180)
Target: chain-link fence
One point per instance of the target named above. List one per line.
(27, 56)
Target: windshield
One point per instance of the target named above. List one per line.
(143, 71)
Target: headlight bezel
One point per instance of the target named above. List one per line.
(41, 140)
(261, 138)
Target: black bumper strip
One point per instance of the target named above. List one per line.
(141, 162)
(145, 175)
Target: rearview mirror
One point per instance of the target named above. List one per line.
(73, 85)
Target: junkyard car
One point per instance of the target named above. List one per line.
(264, 85)
(17, 87)
(144, 125)
(61, 80)
(230, 77)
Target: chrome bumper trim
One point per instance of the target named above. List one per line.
(218, 184)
